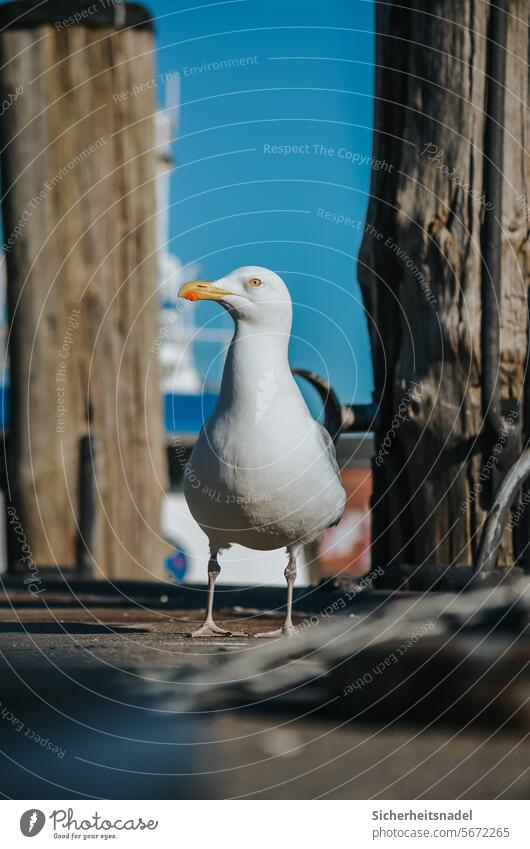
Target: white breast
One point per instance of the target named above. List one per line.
(262, 473)
(264, 486)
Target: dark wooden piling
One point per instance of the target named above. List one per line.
(438, 461)
(77, 83)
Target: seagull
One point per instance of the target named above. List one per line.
(263, 473)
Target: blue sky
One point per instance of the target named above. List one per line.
(258, 77)
(299, 74)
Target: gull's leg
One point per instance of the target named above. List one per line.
(287, 628)
(209, 628)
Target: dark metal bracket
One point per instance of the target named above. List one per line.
(340, 418)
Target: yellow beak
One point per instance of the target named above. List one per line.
(198, 290)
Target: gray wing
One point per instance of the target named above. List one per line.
(329, 448)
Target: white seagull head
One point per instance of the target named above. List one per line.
(251, 294)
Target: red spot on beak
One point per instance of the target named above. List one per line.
(192, 296)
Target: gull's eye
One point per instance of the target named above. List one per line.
(255, 281)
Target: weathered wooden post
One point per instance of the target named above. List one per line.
(423, 279)
(78, 168)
